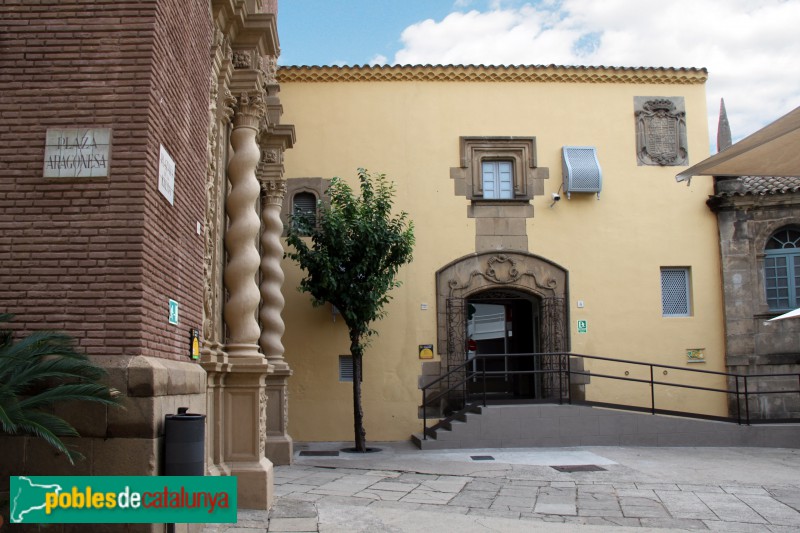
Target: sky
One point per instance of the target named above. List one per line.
(751, 48)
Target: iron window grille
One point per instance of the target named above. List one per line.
(675, 300)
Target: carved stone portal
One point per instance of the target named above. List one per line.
(660, 131)
(477, 273)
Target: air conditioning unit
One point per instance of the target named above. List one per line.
(581, 170)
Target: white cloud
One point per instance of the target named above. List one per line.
(750, 47)
(379, 59)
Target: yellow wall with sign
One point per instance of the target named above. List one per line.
(613, 247)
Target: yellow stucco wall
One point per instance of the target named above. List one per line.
(613, 247)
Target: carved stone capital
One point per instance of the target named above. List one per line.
(249, 109)
(273, 191)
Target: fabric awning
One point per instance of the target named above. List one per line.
(774, 150)
(790, 314)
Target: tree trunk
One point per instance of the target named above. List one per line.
(356, 351)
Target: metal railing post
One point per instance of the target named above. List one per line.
(560, 385)
(424, 414)
(746, 401)
(569, 379)
(652, 393)
(484, 383)
(738, 404)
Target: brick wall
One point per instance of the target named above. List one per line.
(100, 257)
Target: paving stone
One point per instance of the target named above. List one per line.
(582, 511)
(453, 485)
(739, 489)
(292, 524)
(421, 495)
(657, 486)
(644, 511)
(559, 508)
(394, 486)
(290, 508)
(484, 485)
(513, 503)
(562, 484)
(729, 508)
(700, 488)
(494, 513)
(519, 492)
(396, 505)
(380, 495)
(673, 523)
(647, 494)
(772, 510)
(734, 527)
(456, 509)
(685, 505)
(386, 473)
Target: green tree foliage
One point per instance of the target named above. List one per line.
(356, 249)
(38, 372)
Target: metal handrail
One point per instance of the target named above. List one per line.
(563, 367)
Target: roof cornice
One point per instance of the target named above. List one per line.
(482, 73)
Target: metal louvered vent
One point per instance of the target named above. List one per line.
(581, 170)
(345, 368)
(675, 292)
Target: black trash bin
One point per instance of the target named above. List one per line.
(184, 444)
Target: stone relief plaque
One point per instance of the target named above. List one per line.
(77, 152)
(660, 131)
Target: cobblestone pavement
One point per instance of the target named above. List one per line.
(645, 489)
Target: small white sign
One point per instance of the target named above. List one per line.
(173, 312)
(166, 175)
(77, 152)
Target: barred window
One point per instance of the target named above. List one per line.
(782, 270)
(675, 292)
(304, 206)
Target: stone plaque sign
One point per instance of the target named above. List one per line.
(77, 152)
(166, 175)
(660, 131)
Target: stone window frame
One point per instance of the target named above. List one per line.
(316, 186)
(521, 151)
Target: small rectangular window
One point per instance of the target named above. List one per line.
(498, 180)
(675, 292)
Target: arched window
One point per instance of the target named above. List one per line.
(304, 206)
(782, 269)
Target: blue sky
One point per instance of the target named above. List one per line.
(750, 47)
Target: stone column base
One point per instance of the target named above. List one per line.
(280, 447)
(244, 428)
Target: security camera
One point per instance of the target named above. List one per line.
(556, 197)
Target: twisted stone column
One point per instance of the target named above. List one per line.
(272, 301)
(242, 232)
(244, 397)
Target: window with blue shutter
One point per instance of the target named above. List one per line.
(782, 270)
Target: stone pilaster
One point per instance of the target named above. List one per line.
(270, 172)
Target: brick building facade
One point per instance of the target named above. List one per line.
(102, 257)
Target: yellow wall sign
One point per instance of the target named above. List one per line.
(194, 339)
(426, 351)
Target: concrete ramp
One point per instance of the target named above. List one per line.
(545, 425)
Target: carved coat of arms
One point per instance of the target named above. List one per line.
(660, 133)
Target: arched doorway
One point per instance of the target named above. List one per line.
(519, 302)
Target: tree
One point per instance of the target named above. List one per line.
(38, 372)
(357, 247)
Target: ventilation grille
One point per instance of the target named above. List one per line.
(345, 368)
(675, 292)
(581, 170)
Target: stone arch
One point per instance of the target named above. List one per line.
(509, 270)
